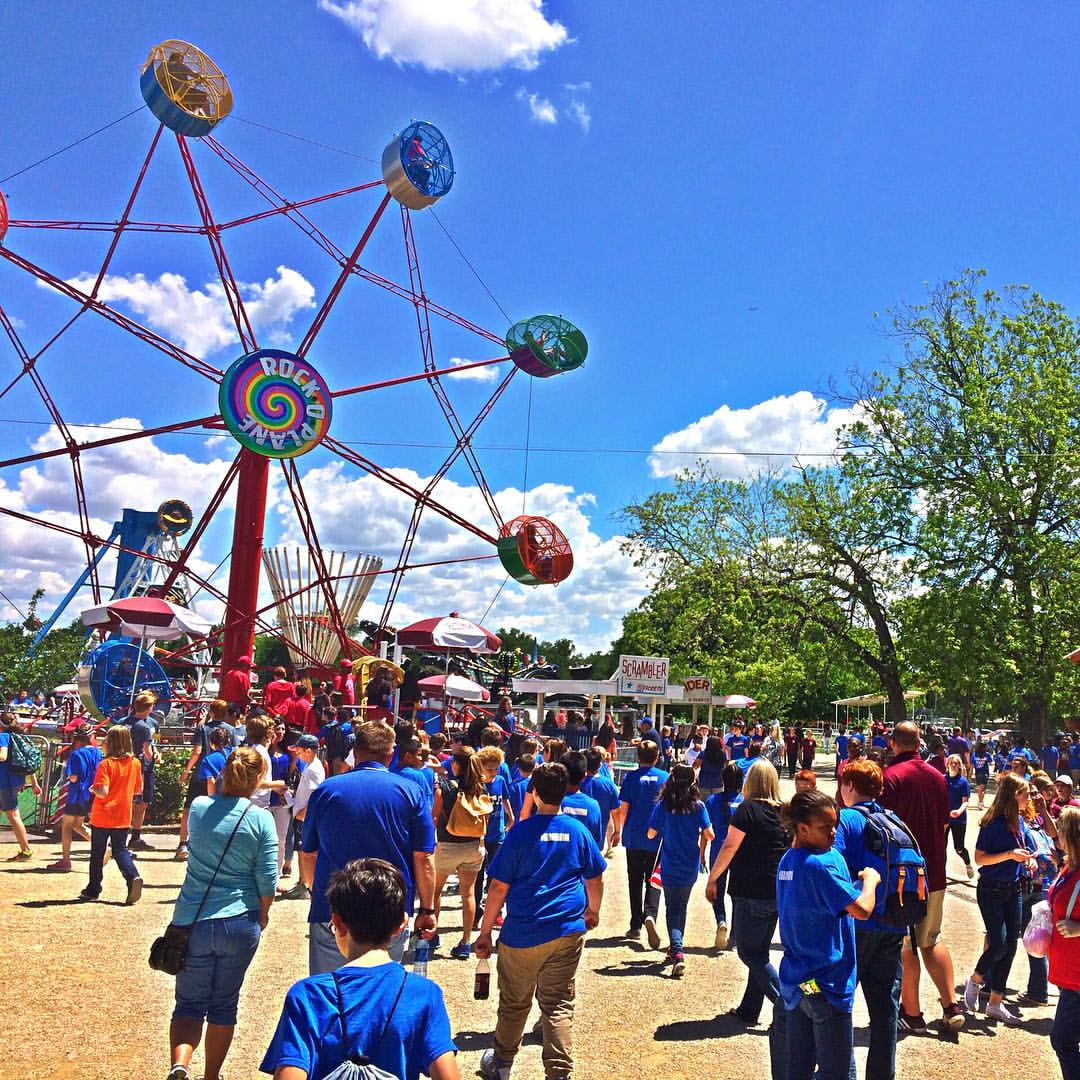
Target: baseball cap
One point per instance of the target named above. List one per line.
(1063, 779)
(308, 742)
(346, 663)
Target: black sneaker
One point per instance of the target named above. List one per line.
(915, 1024)
(634, 933)
(86, 894)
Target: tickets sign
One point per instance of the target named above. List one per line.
(697, 689)
(643, 676)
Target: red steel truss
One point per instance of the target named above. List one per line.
(249, 472)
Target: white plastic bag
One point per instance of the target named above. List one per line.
(1039, 930)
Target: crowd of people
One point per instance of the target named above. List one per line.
(379, 821)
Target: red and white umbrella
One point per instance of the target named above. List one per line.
(147, 617)
(453, 686)
(451, 632)
(739, 701)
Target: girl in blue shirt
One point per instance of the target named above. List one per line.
(719, 807)
(959, 791)
(679, 819)
(980, 766)
(816, 902)
(1002, 849)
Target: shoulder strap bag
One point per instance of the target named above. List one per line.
(169, 952)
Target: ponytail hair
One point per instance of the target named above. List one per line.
(681, 793)
(468, 771)
(242, 773)
(118, 741)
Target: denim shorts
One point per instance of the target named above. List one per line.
(9, 798)
(219, 952)
(79, 809)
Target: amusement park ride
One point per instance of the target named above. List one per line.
(274, 401)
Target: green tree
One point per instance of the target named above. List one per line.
(980, 428)
(53, 662)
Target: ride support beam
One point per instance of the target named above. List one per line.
(335, 290)
(217, 250)
(248, 524)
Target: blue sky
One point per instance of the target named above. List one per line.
(720, 195)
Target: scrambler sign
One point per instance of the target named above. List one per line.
(643, 676)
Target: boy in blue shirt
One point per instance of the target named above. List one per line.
(369, 1005)
(598, 785)
(549, 872)
(637, 797)
(576, 803)
(212, 765)
(82, 764)
(816, 902)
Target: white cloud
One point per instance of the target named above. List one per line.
(199, 319)
(480, 374)
(453, 35)
(354, 512)
(577, 87)
(541, 110)
(578, 111)
(780, 428)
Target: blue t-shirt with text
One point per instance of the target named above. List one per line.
(998, 837)
(640, 789)
(812, 890)
(498, 789)
(680, 853)
(309, 1034)
(980, 762)
(587, 810)
(602, 788)
(545, 860)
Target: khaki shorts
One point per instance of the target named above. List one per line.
(928, 930)
(458, 858)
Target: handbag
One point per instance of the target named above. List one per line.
(168, 953)
(360, 1066)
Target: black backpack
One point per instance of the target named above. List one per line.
(338, 742)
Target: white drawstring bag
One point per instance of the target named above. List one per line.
(359, 1066)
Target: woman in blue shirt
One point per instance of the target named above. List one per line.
(226, 912)
(679, 819)
(719, 807)
(710, 766)
(981, 760)
(1002, 849)
(816, 901)
(959, 791)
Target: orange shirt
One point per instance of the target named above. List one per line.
(123, 776)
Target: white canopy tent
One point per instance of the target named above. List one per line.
(605, 688)
(868, 701)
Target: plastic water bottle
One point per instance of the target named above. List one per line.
(482, 982)
(420, 957)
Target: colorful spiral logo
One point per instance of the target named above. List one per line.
(275, 403)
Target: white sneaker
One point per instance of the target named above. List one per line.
(491, 1068)
(971, 995)
(721, 938)
(651, 932)
(1000, 1011)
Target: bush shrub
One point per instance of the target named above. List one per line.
(169, 800)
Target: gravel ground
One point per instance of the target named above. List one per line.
(83, 1004)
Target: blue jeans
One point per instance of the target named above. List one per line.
(820, 1033)
(676, 901)
(325, 956)
(99, 839)
(999, 904)
(219, 952)
(1038, 966)
(1065, 1034)
(877, 960)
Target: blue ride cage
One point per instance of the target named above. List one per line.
(111, 669)
(417, 165)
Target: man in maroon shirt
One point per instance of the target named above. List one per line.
(917, 793)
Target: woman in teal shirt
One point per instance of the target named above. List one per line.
(226, 912)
